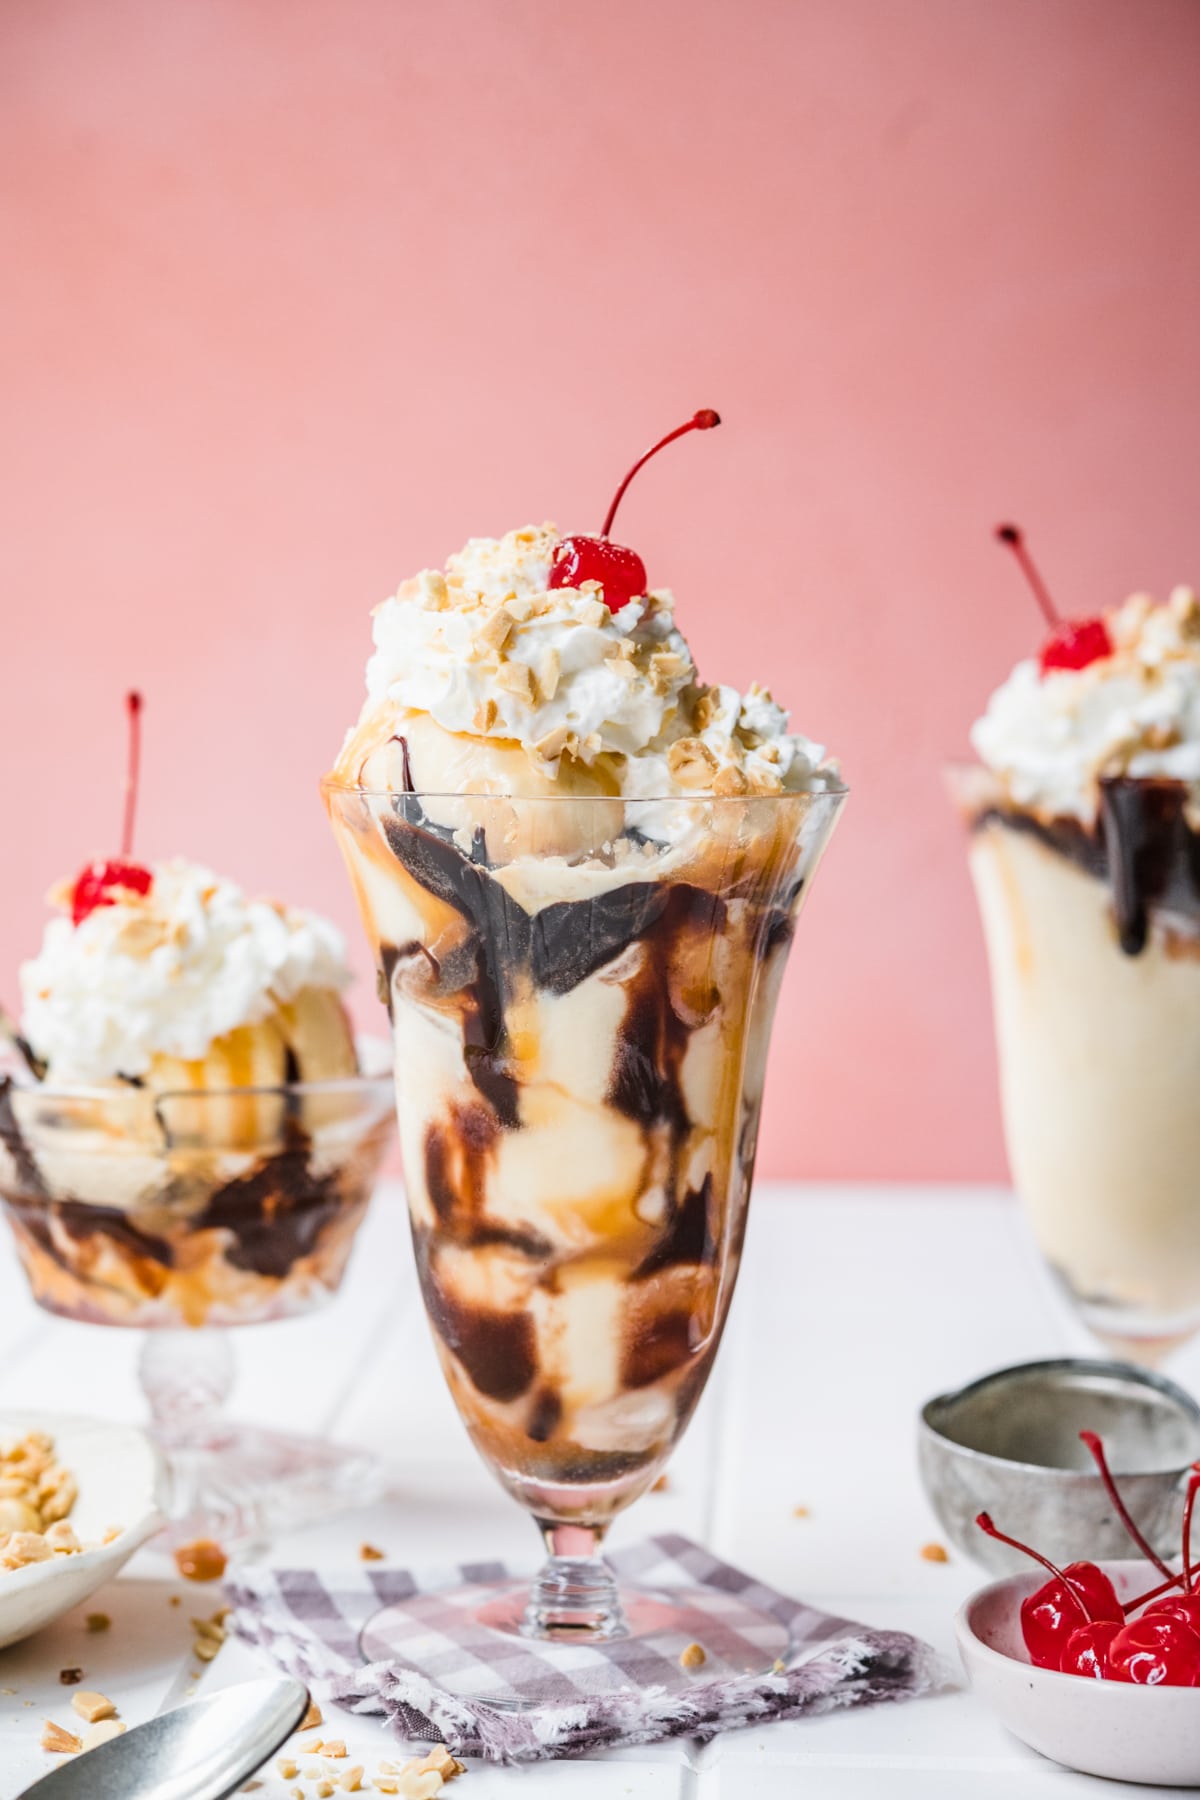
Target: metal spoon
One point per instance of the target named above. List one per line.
(201, 1751)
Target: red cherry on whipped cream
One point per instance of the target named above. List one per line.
(620, 572)
(1072, 643)
(100, 883)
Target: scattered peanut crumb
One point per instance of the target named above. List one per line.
(692, 1658)
(102, 1731)
(69, 1677)
(92, 1706)
(369, 1553)
(778, 1666)
(935, 1553)
(422, 1777)
(333, 1747)
(313, 1716)
(287, 1768)
(175, 1600)
(62, 1743)
(801, 1512)
(98, 1621)
(661, 1486)
(201, 1560)
(324, 1789)
(297, 1794)
(206, 1648)
(351, 1782)
(311, 1749)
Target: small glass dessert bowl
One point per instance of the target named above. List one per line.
(182, 1213)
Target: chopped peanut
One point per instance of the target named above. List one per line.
(692, 1658)
(102, 1731)
(62, 1743)
(312, 1717)
(935, 1553)
(369, 1553)
(92, 1706)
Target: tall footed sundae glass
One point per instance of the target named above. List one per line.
(1084, 814)
(580, 870)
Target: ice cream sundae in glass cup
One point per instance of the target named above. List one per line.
(1084, 816)
(189, 1137)
(580, 869)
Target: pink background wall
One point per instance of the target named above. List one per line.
(297, 294)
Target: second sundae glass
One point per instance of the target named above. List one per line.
(181, 1214)
(581, 991)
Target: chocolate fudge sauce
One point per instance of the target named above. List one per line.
(1142, 845)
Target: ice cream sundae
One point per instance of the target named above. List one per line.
(580, 867)
(1085, 850)
(185, 1137)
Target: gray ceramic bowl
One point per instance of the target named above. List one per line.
(1009, 1445)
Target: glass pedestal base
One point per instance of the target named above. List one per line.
(245, 1486)
(238, 1485)
(499, 1656)
(1131, 1333)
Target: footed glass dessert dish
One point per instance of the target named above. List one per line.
(581, 991)
(182, 1214)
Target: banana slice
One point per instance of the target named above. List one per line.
(317, 1032)
(203, 1112)
(321, 1048)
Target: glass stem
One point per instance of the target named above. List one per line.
(574, 1593)
(187, 1377)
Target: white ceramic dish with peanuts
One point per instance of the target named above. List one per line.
(122, 1483)
(1109, 1728)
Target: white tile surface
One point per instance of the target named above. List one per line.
(854, 1306)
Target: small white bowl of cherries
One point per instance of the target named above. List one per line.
(1098, 1666)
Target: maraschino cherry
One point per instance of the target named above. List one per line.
(1073, 643)
(1079, 1595)
(620, 572)
(101, 882)
(1076, 1624)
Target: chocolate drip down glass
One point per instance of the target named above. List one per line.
(581, 992)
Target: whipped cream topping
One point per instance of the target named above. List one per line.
(487, 649)
(1050, 738)
(167, 973)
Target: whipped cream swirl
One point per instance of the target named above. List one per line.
(168, 973)
(1051, 737)
(488, 650)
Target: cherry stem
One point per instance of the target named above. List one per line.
(1189, 1503)
(1164, 1587)
(704, 420)
(984, 1522)
(133, 706)
(1014, 538)
(1093, 1443)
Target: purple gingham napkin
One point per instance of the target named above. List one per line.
(579, 1698)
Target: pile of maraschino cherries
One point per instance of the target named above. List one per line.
(1076, 1624)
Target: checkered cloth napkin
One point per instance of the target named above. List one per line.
(576, 1698)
